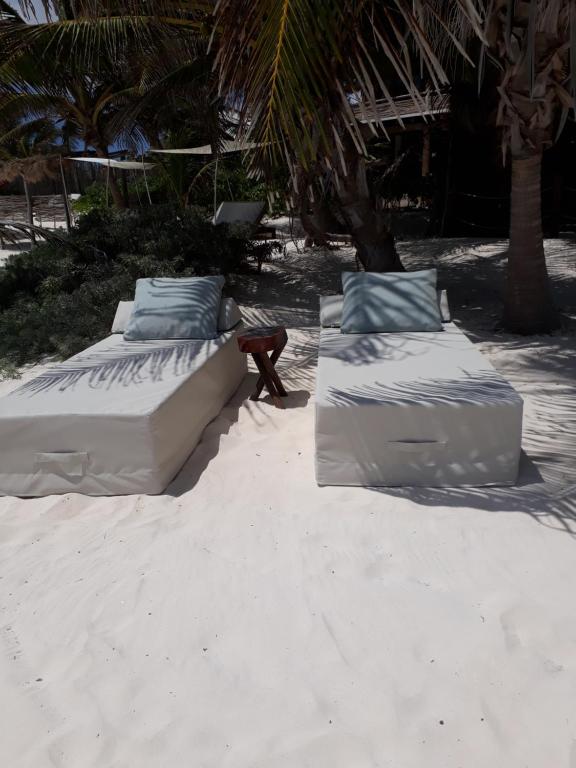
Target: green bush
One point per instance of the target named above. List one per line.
(61, 297)
(93, 197)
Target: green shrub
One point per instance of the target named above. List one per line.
(93, 197)
(61, 297)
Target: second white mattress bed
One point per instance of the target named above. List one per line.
(414, 409)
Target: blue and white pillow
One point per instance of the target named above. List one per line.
(175, 308)
(390, 302)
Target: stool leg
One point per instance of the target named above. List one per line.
(266, 379)
(273, 359)
(272, 372)
(277, 352)
(259, 383)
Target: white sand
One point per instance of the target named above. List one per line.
(249, 619)
(22, 243)
(5, 253)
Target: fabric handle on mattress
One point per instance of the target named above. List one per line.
(62, 463)
(415, 446)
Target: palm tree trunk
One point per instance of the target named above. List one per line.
(375, 247)
(112, 183)
(125, 194)
(529, 307)
(78, 179)
(316, 223)
(29, 209)
(117, 195)
(65, 198)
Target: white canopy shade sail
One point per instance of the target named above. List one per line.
(228, 147)
(126, 165)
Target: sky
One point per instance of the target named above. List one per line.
(41, 16)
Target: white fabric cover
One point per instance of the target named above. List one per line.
(226, 147)
(331, 310)
(123, 312)
(121, 417)
(414, 409)
(228, 317)
(444, 306)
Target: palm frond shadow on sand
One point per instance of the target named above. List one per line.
(474, 272)
(289, 292)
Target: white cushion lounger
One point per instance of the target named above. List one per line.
(413, 409)
(240, 213)
(119, 418)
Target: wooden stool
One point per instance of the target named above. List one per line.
(258, 342)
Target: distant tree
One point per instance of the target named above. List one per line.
(27, 153)
(294, 70)
(45, 71)
(303, 72)
(309, 71)
(110, 79)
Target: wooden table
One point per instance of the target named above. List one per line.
(258, 342)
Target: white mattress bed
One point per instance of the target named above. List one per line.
(119, 418)
(414, 409)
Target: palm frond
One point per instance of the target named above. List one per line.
(296, 64)
(41, 129)
(76, 45)
(9, 13)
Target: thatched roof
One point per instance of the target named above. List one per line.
(34, 168)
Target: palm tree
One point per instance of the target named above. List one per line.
(173, 104)
(136, 78)
(302, 71)
(81, 106)
(297, 76)
(308, 69)
(533, 43)
(113, 78)
(44, 72)
(295, 68)
(26, 153)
